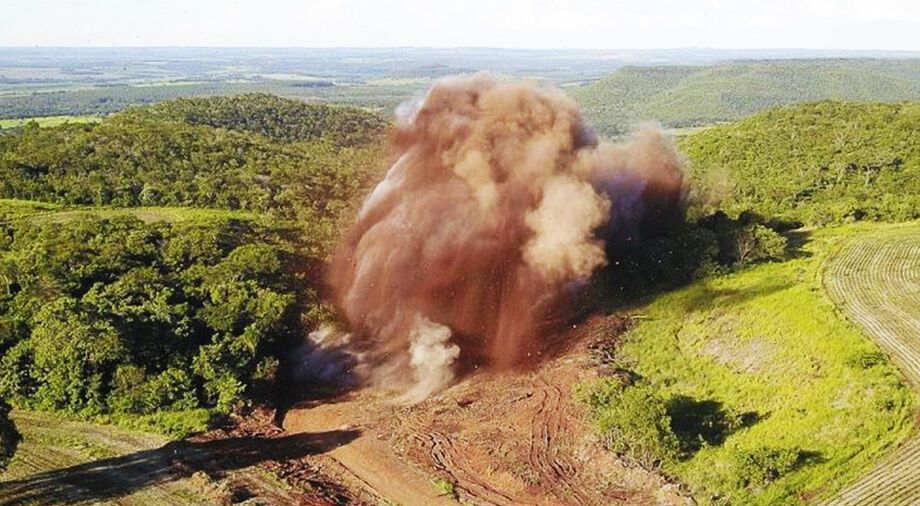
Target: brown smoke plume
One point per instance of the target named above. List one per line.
(499, 206)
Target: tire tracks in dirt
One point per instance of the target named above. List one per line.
(499, 439)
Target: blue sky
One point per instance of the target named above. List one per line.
(816, 24)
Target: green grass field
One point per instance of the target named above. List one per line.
(769, 343)
(48, 121)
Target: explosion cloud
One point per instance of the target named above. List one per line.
(500, 204)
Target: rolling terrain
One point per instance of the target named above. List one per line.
(158, 267)
(682, 96)
(739, 345)
(820, 163)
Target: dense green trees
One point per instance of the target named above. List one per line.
(171, 155)
(103, 314)
(818, 163)
(115, 315)
(274, 117)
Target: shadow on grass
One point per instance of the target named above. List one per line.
(107, 479)
(704, 422)
(795, 242)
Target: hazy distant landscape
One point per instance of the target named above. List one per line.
(679, 87)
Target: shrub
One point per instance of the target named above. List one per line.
(446, 488)
(634, 422)
(757, 243)
(866, 360)
(175, 424)
(763, 465)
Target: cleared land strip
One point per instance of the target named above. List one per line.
(875, 280)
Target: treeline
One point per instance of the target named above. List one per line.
(101, 100)
(701, 247)
(116, 316)
(825, 162)
(106, 99)
(9, 435)
(682, 96)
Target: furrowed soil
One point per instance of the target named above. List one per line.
(875, 281)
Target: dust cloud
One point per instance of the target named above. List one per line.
(501, 203)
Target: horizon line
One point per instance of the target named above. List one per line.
(500, 48)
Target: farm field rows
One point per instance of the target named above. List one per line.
(875, 280)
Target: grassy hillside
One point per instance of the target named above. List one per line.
(690, 96)
(765, 395)
(818, 163)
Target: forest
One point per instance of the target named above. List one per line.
(685, 96)
(818, 163)
(172, 316)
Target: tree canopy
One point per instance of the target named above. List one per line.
(818, 163)
(101, 315)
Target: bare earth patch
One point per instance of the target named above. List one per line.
(503, 439)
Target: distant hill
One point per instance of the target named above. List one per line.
(274, 117)
(819, 162)
(252, 152)
(681, 96)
